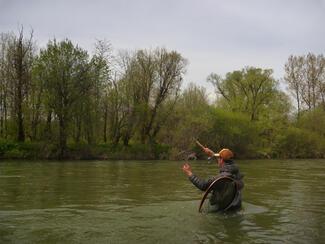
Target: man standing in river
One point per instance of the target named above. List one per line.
(227, 168)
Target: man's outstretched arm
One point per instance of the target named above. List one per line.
(198, 182)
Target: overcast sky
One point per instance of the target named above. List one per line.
(217, 36)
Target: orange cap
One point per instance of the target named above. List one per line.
(225, 154)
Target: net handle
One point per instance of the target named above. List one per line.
(210, 188)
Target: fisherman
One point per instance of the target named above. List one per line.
(227, 168)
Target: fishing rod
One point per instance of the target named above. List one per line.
(200, 145)
(212, 157)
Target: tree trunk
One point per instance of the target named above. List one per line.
(2, 103)
(116, 138)
(62, 138)
(298, 103)
(5, 120)
(20, 120)
(48, 127)
(78, 129)
(105, 125)
(19, 95)
(36, 117)
(126, 139)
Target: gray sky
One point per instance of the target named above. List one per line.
(217, 36)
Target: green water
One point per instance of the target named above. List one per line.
(153, 202)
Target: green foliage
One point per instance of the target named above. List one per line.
(305, 141)
(232, 130)
(190, 120)
(20, 150)
(313, 120)
(29, 150)
(65, 103)
(299, 143)
(248, 91)
(64, 69)
(6, 146)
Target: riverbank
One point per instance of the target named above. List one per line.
(13, 150)
(48, 151)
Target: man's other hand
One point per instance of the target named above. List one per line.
(187, 169)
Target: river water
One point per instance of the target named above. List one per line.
(153, 202)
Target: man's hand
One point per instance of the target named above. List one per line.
(187, 169)
(208, 151)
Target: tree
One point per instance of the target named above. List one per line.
(65, 72)
(95, 109)
(294, 77)
(120, 101)
(165, 82)
(37, 103)
(247, 91)
(313, 120)
(305, 76)
(4, 84)
(17, 57)
(190, 119)
(148, 82)
(314, 74)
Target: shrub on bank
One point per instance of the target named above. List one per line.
(292, 143)
(6, 146)
(15, 150)
(28, 150)
(299, 143)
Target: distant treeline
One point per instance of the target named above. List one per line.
(61, 102)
